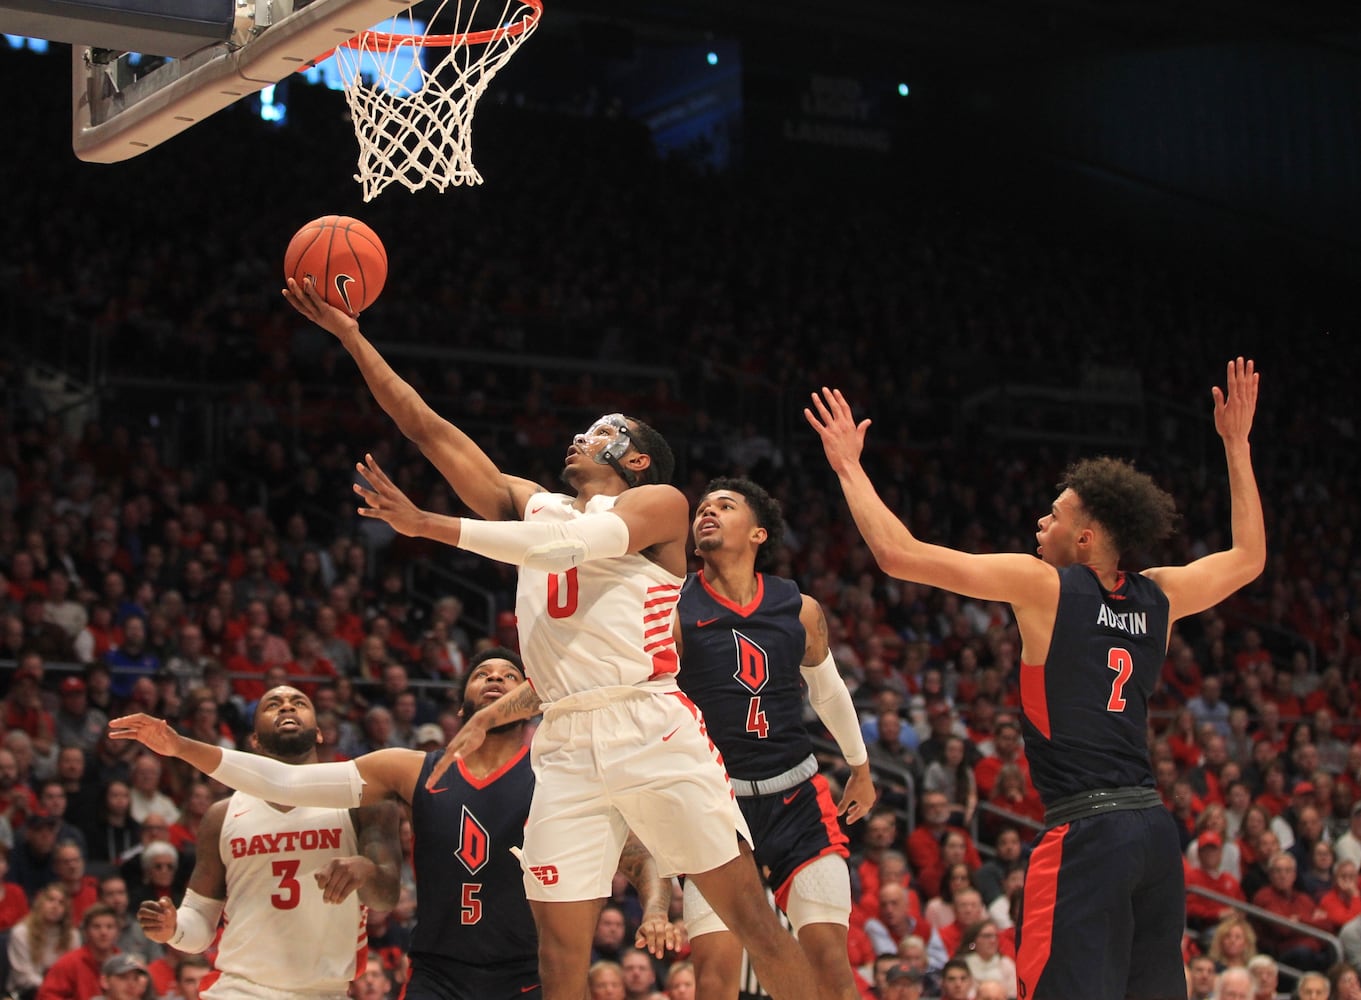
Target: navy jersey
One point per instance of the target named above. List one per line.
(1085, 709)
(740, 665)
(472, 905)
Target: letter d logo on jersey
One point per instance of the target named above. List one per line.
(473, 843)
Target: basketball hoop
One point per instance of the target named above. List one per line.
(414, 122)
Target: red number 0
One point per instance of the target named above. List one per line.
(562, 594)
(472, 906)
(1122, 663)
(287, 874)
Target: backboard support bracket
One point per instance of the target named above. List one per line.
(115, 117)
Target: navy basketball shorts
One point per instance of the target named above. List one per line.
(1103, 910)
(791, 829)
(437, 978)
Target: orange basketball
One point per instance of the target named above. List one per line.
(344, 258)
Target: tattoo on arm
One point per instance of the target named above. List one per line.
(640, 868)
(519, 703)
(378, 835)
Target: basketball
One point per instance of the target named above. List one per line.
(344, 258)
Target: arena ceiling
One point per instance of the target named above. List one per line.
(988, 31)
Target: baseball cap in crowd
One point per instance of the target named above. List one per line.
(902, 972)
(69, 685)
(121, 964)
(39, 818)
(938, 708)
(429, 733)
(1304, 788)
(1209, 839)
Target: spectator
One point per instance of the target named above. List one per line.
(1006, 856)
(610, 933)
(954, 778)
(189, 975)
(1265, 976)
(124, 977)
(1214, 819)
(76, 974)
(131, 658)
(1202, 912)
(980, 948)
(896, 919)
(13, 899)
(945, 941)
(940, 910)
(23, 708)
(1233, 942)
(605, 980)
(1345, 982)
(52, 802)
(1006, 750)
(956, 982)
(113, 893)
(1235, 984)
(183, 833)
(901, 982)
(1200, 974)
(923, 844)
(1348, 846)
(37, 941)
(1282, 898)
(83, 793)
(1342, 900)
(81, 889)
(78, 723)
(880, 834)
(114, 832)
(145, 793)
(640, 978)
(1312, 986)
(31, 859)
(1317, 878)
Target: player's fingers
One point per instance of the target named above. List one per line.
(820, 408)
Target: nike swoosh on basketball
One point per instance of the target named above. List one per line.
(343, 289)
(702, 622)
(792, 796)
(671, 734)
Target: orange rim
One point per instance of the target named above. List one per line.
(383, 41)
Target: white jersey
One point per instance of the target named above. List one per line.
(278, 932)
(605, 623)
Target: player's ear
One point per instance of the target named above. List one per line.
(638, 461)
(254, 742)
(759, 535)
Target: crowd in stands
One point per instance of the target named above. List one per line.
(147, 564)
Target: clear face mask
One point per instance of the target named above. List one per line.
(616, 444)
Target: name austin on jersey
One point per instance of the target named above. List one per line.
(292, 840)
(1133, 622)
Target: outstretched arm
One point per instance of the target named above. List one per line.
(1202, 584)
(643, 518)
(342, 785)
(520, 702)
(464, 466)
(828, 695)
(1020, 580)
(656, 933)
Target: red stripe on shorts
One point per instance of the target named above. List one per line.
(1037, 921)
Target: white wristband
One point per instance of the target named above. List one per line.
(828, 695)
(335, 786)
(551, 547)
(196, 922)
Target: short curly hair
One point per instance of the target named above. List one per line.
(649, 442)
(766, 508)
(1126, 502)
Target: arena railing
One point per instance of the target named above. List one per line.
(827, 749)
(1266, 916)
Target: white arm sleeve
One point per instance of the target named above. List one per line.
(335, 786)
(551, 547)
(196, 922)
(828, 695)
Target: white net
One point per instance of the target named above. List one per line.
(413, 120)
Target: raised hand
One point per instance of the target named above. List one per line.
(385, 501)
(154, 734)
(842, 438)
(1236, 403)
